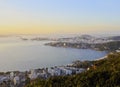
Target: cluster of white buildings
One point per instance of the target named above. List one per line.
(4, 78)
(58, 71)
(54, 71)
(12, 79)
(18, 79)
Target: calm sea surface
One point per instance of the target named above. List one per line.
(16, 54)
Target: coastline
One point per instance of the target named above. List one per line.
(101, 58)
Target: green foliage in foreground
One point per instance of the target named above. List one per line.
(106, 74)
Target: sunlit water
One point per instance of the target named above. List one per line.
(16, 54)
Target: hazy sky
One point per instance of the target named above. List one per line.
(59, 16)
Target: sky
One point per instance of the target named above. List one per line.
(59, 16)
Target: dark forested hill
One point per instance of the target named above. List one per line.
(105, 74)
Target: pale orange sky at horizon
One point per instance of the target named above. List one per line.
(54, 17)
(54, 29)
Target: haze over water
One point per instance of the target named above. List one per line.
(16, 54)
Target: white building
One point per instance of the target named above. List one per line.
(67, 71)
(16, 80)
(12, 75)
(80, 70)
(118, 51)
(4, 78)
(55, 71)
(33, 74)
